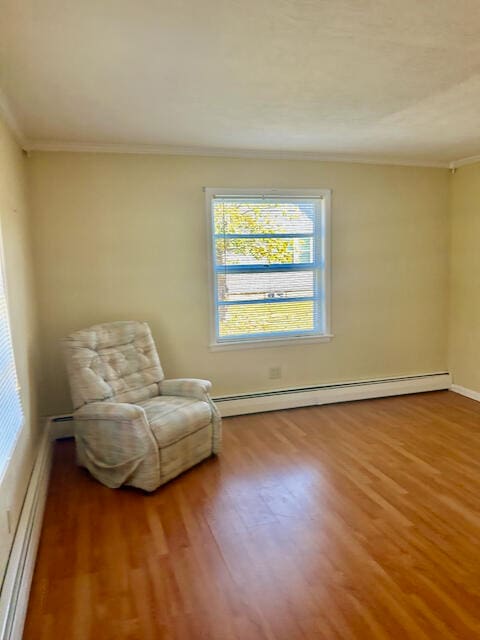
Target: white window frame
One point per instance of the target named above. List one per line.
(326, 335)
(5, 462)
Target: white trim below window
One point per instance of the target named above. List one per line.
(272, 342)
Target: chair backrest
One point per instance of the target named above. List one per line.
(115, 361)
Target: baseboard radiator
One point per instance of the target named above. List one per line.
(235, 405)
(15, 588)
(331, 393)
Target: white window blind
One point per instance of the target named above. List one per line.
(11, 415)
(269, 258)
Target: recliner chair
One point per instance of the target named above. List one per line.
(133, 427)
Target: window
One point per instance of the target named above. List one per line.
(11, 415)
(270, 265)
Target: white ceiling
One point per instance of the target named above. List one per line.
(361, 79)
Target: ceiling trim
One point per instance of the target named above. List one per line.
(82, 147)
(462, 162)
(9, 117)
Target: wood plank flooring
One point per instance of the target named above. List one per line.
(349, 521)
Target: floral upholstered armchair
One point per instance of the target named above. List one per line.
(134, 427)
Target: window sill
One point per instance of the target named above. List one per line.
(270, 342)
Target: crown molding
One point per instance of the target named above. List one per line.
(11, 120)
(462, 162)
(85, 147)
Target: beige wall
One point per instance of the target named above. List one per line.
(124, 236)
(464, 334)
(16, 230)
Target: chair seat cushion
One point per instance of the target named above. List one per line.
(171, 418)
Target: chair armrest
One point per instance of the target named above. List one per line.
(188, 387)
(116, 444)
(199, 389)
(114, 411)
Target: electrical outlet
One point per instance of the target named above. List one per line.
(275, 373)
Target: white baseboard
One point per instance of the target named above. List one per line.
(330, 393)
(18, 577)
(463, 391)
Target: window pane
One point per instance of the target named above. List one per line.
(251, 319)
(248, 216)
(252, 251)
(268, 262)
(233, 287)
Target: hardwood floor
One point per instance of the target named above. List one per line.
(348, 521)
